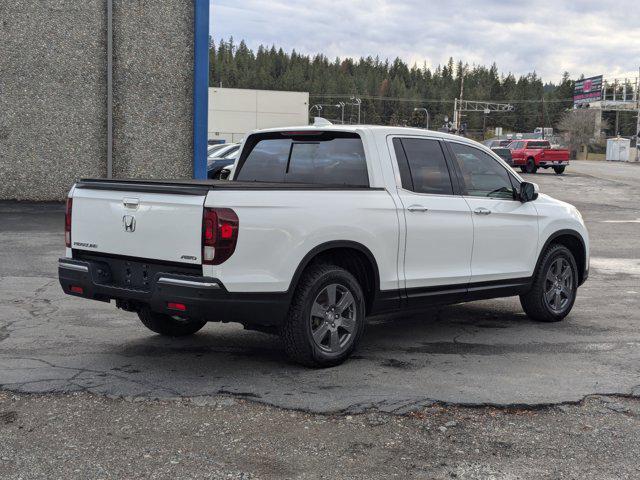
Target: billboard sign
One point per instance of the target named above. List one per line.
(588, 90)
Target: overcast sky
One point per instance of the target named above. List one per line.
(579, 36)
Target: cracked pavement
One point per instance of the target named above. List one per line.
(475, 354)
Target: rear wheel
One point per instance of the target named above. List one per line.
(555, 286)
(326, 318)
(559, 170)
(168, 325)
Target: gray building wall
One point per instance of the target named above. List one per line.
(53, 126)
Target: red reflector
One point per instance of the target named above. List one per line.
(210, 226)
(177, 306)
(226, 231)
(76, 289)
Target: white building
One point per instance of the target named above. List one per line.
(233, 112)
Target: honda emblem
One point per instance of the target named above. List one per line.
(129, 223)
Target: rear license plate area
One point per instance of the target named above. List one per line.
(130, 273)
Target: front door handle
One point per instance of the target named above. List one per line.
(417, 208)
(482, 211)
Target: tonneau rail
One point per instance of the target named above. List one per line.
(192, 187)
(201, 187)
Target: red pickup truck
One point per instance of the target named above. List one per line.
(530, 155)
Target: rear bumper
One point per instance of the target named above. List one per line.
(553, 163)
(204, 298)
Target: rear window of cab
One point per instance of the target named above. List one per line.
(309, 157)
(538, 145)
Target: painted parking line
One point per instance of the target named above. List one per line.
(637, 220)
(615, 266)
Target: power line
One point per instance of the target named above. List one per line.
(428, 100)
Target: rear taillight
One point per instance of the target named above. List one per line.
(219, 235)
(67, 222)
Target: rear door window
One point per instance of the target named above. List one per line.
(325, 158)
(423, 168)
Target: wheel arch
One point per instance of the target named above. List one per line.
(354, 257)
(575, 243)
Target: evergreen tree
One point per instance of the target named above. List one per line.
(391, 90)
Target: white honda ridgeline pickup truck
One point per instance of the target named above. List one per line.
(320, 228)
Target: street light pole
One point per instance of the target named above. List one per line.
(422, 109)
(341, 105)
(484, 122)
(357, 101)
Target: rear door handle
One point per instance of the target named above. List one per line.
(482, 211)
(417, 208)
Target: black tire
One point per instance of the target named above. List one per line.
(296, 332)
(559, 170)
(523, 169)
(534, 303)
(531, 166)
(169, 326)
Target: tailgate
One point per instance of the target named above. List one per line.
(556, 155)
(139, 223)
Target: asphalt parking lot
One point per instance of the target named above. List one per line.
(78, 355)
(480, 353)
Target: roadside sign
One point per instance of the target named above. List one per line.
(588, 90)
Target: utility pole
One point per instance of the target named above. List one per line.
(542, 115)
(455, 113)
(638, 123)
(484, 125)
(459, 115)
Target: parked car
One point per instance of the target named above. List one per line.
(321, 228)
(220, 159)
(214, 148)
(227, 172)
(504, 153)
(530, 155)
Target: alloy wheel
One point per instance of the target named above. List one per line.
(333, 319)
(558, 286)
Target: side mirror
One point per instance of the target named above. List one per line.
(528, 192)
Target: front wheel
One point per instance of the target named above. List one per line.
(555, 286)
(169, 326)
(559, 170)
(326, 318)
